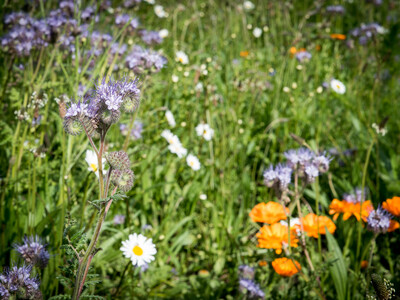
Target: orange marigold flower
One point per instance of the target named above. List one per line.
(311, 222)
(393, 225)
(364, 264)
(269, 213)
(262, 263)
(318, 47)
(338, 36)
(244, 53)
(349, 209)
(293, 50)
(273, 237)
(285, 266)
(392, 206)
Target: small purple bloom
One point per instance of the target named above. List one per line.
(378, 220)
(246, 271)
(269, 176)
(251, 288)
(311, 172)
(303, 56)
(33, 251)
(119, 219)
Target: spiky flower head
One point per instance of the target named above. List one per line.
(383, 288)
(33, 251)
(17, 281)
(118, 160)
(378, 220)
(123, 179)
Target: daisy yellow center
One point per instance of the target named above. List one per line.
(180, 59)
(94, 167)
(204, 131)
(338, 86)
(137, 250)
(191, 163)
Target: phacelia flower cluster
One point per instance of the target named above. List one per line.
(103, 107)
(140, 60)
(33, 251)
(18, 282)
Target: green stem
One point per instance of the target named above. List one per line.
(361, 204)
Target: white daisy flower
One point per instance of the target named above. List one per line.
(160, 12)
(174, 78)
(139, 249)
(203, 197)
(205, 130)
(182, 57)
(199, 87)
(163, 33)
(193, 162)
(91, 159)
(170, 118)
(170, 137)
(177, 149)
(257, 32)
(337, 86)
(248, 5)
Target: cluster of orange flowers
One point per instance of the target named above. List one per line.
(276, 235)
(363, 210)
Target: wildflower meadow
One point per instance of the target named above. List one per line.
(202, 149)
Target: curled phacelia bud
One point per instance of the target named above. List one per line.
(118, 160)
(123, 179)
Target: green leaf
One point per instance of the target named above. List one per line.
(338, 267)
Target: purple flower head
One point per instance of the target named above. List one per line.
(335, 10)
(378, 220)
(356, 197)
(77, 109)
(119, 219)
(305, 156)
(151, 37)
(121, 20)
(144, 268)
(141, 59)
(87, 13)
(284, 175)
(322, 161)
(292, 158)
(269, 176)
(33, 251)
(246, 271)
(311, 172)
(303, 56)
(17, 281)
(116, 48)
(250, 288)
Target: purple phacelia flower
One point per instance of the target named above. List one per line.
(378, 220)
(119, 219)
(17, 281)
(303, 56)
(357, 196)
(284, 176)
(246, 271)
(311, 172)
(269, 176)
(250, 288)
(151, 37)
(33, 251)
(335, 10)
